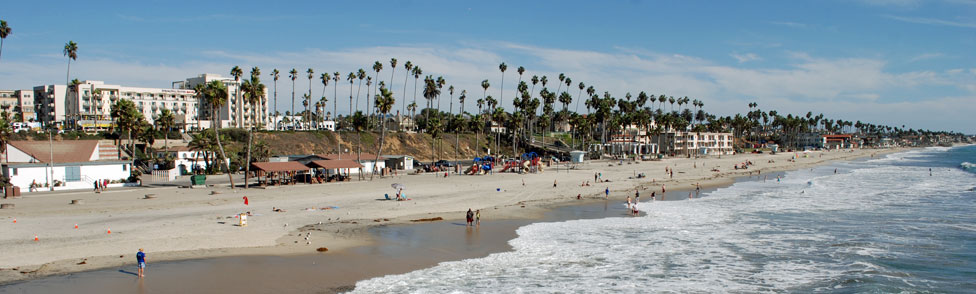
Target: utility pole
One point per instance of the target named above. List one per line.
(50, 180)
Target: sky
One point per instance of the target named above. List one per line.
(892, 62)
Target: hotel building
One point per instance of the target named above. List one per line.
(237, 112)
(89, 104)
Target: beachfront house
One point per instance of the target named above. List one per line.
(367, 160)
(186, 159)
(400, 162)
(695, 143)
(71, 165)
(842, 141)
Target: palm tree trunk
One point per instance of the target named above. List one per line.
(379, 149)
(247, 162)
(226, 162)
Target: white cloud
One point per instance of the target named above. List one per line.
(926, 56)
(743, 58)
(933, 21)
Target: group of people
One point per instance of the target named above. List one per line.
(100, 185)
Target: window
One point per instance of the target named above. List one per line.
(125, 167)
(14, 171)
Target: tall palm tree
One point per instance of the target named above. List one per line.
(562, 77)
(520, 70)
(403, 105)
(4, 32)
(216, 94)
(361, 74)
(417, 72)
(377, 67)
(384, 103)
(254, 93)
(393, 65)
(325, 84)
(237, 72)
(352, 79)
(501, 90)
(293, 74)
(71, 51)
(431, 91)
(335, 95)
(457, 132)
(274, 74)
(311, 75)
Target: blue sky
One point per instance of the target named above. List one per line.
(896, 62)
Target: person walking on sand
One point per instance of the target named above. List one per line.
(553, 183)
(470, 217)
(141, 260)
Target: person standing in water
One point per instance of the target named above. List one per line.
(607, 192)
(477, 217)
(636, 196)
(470, 217)
(141, 260)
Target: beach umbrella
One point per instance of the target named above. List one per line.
(398, 186)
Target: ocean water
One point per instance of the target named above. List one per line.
(879, 226)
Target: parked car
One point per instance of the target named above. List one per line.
(444, 163)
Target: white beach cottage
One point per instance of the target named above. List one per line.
(76, 164)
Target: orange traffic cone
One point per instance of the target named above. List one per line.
(76, 226)
(35, 237)
(109, 231)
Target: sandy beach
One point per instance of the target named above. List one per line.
(182, 223)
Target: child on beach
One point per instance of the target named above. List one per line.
(477, 217)
(607, 192)
(141, 260)
(628, 202)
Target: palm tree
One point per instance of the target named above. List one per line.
(408, 66)
(293, 74)
(325, 84)
(431, 91)
(165, 121)
(274, 74)
(520, 70)
(335, 94)
(359, 124)
(4, 32)
(71, 51)
(254, 92)
(361, 74)
(237, 72)
(201, 143)
(351, 78)
(311, 75)
(501, 90)
(216, 94)
(457, 132)
(417, 71)
(384, 102)
(393, 64)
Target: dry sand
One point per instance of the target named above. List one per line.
(191, 223)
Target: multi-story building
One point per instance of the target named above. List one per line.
(18, 105)
(237, 112)
(49, 104)
(695, 143)
(89, 104)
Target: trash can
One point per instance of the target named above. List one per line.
(198, 180)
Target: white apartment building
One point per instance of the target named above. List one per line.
(694, 143)
(49, 103)
(89, 104)
(236, 113)
(18, 104)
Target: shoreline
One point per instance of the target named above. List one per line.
(527, 204)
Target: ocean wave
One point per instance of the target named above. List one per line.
(753, 236)
(969, 166)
